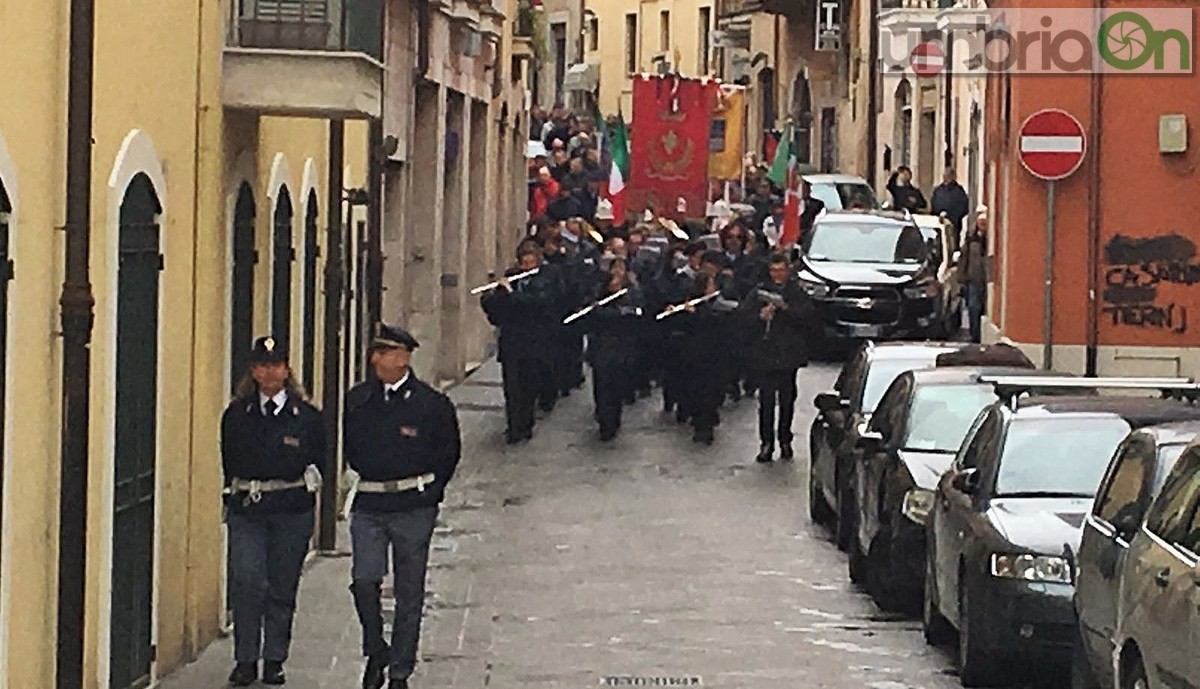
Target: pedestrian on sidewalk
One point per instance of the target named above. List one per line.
(950, 198)
(402, 437)
(905, 197)
(782, 314)
(272, 440)
(973, 268)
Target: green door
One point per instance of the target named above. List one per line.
(136, 436)
(241, 331)
(281, 269)
(311, 253)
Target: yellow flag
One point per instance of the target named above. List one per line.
(728, 114)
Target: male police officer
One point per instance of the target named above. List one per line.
(271, 442)
(402, 438)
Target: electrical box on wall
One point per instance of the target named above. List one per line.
(1172, 133)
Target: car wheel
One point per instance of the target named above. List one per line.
(878, 573)
(1082, 676)
(904, 590)
(937, 629)
(1133, 675)
(976, 666)
(846, 522)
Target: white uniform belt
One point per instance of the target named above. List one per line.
(398, 485)
(254, 486)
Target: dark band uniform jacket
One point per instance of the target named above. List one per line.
(254, 447)
(783, 346)
(526, 316)
(613, 329)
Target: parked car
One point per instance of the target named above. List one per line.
(1136, 473)
(842, 415)
(910, 442)
(875, 275)
(1008, 514)
(841, 191)
(1158, 631)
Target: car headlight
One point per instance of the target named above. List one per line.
(925, 290)
(1029, 567)
(918, 503)
(813, 286)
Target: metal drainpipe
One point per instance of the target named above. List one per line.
(872, 93)
(1093, 248)
(77, 306)
(331, 392)
(949, 105)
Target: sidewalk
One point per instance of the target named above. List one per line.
(326, 646)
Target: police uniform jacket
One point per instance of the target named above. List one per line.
(413, 433)
(526, 316)
(783, 346)
(255, 447)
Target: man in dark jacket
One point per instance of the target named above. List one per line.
(905, 197)
(973, 272)
(613, 330)
(782, 313)
(525, 313)
(402, 437)
(950, 198)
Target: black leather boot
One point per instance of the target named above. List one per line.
(243, 675)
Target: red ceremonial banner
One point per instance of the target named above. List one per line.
(672, 117)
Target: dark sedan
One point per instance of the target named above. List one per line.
(910, 442)
(842, 417)
(1007, 516)
(874, 275)
(1135, 475)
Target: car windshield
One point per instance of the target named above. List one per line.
(941, 415)
(1066, 456)
(840, 195)
(881, 375)
(1167, 456)
(885, 242)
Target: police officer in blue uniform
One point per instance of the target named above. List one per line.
(272, 440)
(402, 437)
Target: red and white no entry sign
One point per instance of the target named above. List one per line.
(928, 59)
(1053, 144)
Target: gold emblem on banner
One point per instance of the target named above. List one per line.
(670, 161)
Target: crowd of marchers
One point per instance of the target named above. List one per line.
(1045, 526)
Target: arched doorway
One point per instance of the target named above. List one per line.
(802, 115)
(241, 328)
(136, 437)
(902, 124)
(311, 254)
(281, 267)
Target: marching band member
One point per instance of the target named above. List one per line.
(525, 313)
(708, 347)
(678, 287)
(781, 314)
(612, 342)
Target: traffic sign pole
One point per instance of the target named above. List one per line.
(1048, 308)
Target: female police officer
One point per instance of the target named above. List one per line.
(271, 442)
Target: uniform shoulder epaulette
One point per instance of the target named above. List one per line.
(358, 395)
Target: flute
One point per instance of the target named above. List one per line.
(588, 309)
(493, 285)
(672, 310)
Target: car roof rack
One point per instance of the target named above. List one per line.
(1011, 388)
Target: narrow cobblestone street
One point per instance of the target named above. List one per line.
(564, 562)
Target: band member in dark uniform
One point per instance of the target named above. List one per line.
(612, 346)
(525, 313)
(678, 286)
(402, 437)
(272, 440)
(706, 351)
(781, 315)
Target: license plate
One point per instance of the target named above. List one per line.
(865, 330)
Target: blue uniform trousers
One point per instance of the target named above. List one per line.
(266, 557)
(407, 536)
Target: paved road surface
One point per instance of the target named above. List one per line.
(564, 562)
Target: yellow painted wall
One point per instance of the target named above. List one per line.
(615, 85)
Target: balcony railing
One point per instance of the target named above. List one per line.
(319, 25)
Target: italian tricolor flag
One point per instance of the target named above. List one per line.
(618, 148)
(784, 172)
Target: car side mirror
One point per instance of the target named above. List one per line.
(828, 402)
(966, 481)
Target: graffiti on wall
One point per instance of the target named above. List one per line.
(1134, 271)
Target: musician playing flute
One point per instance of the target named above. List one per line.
(779, 315)
(706, 350)
(678, 286)
(612, 345)
(524, 311)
